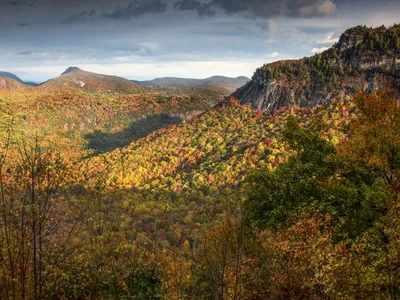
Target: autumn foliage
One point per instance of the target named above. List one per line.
(232, 204)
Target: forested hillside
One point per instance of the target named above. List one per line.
(216, 85)
(169, 203)
(82, 124)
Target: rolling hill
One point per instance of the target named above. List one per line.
(219, 85)
(75, 79)
(363, 60)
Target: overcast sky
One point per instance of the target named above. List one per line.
(144, 39)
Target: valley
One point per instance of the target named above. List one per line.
(82, 112)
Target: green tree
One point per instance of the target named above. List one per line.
(275, 195)
(355, 184)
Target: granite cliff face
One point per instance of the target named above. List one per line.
(364, 59)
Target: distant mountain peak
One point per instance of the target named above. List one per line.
(74, 78)
(71, 69)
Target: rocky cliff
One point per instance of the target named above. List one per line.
(364, 59)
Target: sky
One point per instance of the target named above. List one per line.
(146, 39)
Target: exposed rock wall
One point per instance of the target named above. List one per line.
(359, 71)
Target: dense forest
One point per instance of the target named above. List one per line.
(154, 195)
(316, 218)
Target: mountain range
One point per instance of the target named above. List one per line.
(363, 59)
(74, 78)
(225, 84)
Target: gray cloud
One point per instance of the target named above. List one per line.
(21, 2)
(138, 8)
(262, 8)
(24, 53)
(239, 32)
(24, 24)
(30, 53)
(203, 9)
(83, 16)
(270, 8)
